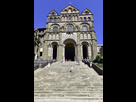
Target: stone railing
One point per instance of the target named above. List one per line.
(36, 66)
(41, 63)
(98, 69)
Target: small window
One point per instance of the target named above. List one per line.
(40, 53)
(86, 13)
(50, 20)
(54, 20)
(69, 18)
(53, 14)
(69, 28)
(55, 29)
(89, 19)
(84, 28)
(84, 19)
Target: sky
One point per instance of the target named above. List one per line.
(43, 7)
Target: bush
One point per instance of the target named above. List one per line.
(98, 59)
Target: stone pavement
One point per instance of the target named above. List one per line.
(58, 84)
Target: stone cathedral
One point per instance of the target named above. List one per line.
(69, 35)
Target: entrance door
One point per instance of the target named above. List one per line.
(69, 51)
(85, 55)
(54, 51)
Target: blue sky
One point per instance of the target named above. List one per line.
(43, 7)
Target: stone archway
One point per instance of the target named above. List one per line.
(85, 50)
(54, 49)
(69, 50)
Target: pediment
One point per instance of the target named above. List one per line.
(53, 12)
(86, 11)
(69, 7)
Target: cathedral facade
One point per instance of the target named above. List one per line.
(68, 36)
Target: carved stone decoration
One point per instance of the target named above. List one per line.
(68, 28)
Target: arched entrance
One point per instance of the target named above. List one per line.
(54, 46)
(85, 50)
(69, 51)
(54, 51)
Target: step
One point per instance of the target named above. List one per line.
(68, 99)
(57, 82)
(92, 94)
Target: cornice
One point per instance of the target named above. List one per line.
(70, 21)
(70, 32)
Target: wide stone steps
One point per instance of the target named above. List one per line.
(57, 82)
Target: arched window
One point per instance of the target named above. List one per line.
(53, 14)
(66, 11)
(84, 28)
(55, 29)
(55, 20)
(84, 18)
(74, 11)
(69, 17)
(69, 28)
(50, 20)
(89, 19)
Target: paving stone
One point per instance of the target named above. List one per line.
(57, 82)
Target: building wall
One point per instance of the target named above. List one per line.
(37, 43)
(100, 50)
(77, 36)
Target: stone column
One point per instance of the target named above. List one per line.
(45, 51)
(76, 53)
(52, 19)
(57, 53)
(65, 18)
(94, 45)
(73, 17)
(45, 47)
(94, 48)
(49, 51)
(60, 48)
(89, 51)
(81, 51)
(60, 52)
(78, 47)
(63, 53)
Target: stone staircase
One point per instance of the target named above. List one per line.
(58, 83)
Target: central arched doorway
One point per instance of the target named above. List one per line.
(69, 51)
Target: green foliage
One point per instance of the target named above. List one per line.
(98, 59)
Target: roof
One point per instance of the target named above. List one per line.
(85, 10)
(53, 11)
(71, 6)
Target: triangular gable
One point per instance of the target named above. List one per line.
(70, 6)
(86, 10)
(53, 11)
